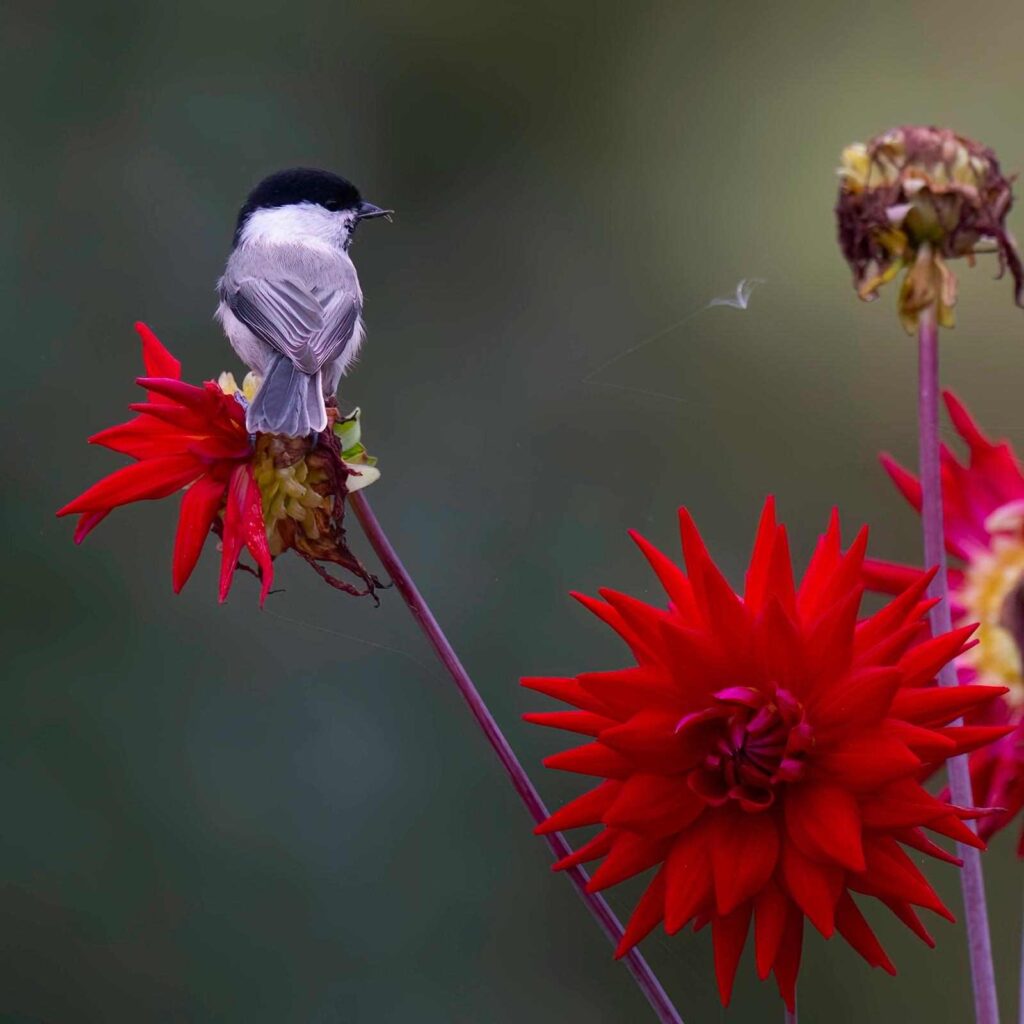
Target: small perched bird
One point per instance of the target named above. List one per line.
(290, 302)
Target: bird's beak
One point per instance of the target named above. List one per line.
(367, 211)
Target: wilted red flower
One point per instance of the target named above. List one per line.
(984, 523)
(265, 494)
(764, 753)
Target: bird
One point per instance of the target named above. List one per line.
(289, 299)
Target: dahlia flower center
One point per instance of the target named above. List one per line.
(757, 742)
(290, 485)
(992, 594)
(1011, 618)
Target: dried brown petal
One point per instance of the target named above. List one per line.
(915, 188)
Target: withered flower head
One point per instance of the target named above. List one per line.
(303, 488)
(916, 197)
(266, 495)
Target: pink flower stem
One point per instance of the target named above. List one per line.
(791, 1017)
(596, 904)
(1021, 1009)
(979, 943)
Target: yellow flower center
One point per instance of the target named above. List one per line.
(286, 481)
(296, 481)
(991, 596)
(290, 487)
(956, 166)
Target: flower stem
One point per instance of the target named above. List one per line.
(598, 906)
(791, 1017)
(979, 943)
(1021, 1009)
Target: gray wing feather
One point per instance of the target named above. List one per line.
(292, 319)
(341, 315)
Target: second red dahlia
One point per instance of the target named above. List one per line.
(983, 497)
(763, 754)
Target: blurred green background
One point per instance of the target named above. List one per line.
(212, 814)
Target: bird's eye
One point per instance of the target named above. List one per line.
(331, 204)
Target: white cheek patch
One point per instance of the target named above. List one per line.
(306, 221)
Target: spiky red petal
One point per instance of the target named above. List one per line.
(766, 750)
(183, 436)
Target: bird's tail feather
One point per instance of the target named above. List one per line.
(288, 402)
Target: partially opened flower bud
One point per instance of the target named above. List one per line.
(915, 197)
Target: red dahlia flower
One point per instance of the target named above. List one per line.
(984, 520)
(265, 494)
(764, 752)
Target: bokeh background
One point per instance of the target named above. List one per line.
(212, 814)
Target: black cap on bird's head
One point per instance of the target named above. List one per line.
(307, 185)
